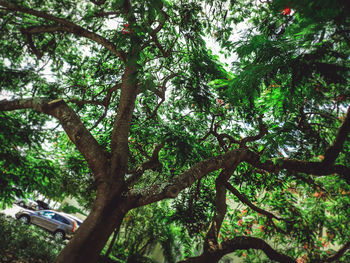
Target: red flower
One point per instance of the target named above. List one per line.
(286, 11)
(240, 222)
(340, 98)
(125, 29)
(220, 102)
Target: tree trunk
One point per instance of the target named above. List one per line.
(88, 242)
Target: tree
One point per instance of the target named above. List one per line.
(129, 86)
(24, 166)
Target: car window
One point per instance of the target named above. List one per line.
(61, 219)
(47, 214)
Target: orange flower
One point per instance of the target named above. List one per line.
(240, 222)
(262, 228)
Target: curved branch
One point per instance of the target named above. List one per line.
(242, 143)
(254, 243)
(152, 163)
(291, 165)
(338, 254)
(237, 243)
(333, 151)
(172, 188)
(71, 123)
(262, 131)
(246, 201)
(64, 26)
(211, 239)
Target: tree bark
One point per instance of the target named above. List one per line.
(87, 244)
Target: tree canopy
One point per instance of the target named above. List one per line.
(255, 154)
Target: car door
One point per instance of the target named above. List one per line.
(43, 219)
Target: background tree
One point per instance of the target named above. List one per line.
(24, 164)
(129, 86)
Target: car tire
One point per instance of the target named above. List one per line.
(24, 219)
(59, 234)
(21, 204)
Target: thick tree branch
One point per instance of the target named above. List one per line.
(128, 94)
(338, 254)
(71, 123)
(291, 165)
(333, 151)
(211, 239)
(246, 201)
(64, 26)
(237, 243)
(254, 243)
(172, 188)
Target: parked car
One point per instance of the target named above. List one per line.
(60, 224)
(26, 203)
(78, 220)
(42, 205)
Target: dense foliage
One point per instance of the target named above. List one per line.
(23, 243)
(255, 153)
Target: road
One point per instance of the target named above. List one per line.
(11, 211)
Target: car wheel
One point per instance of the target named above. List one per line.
(24, 219)
(59, 234)
(21, 204)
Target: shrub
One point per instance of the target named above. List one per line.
(26, 243)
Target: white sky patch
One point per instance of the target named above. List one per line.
(225, 56)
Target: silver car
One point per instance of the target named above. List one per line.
(60, 224)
